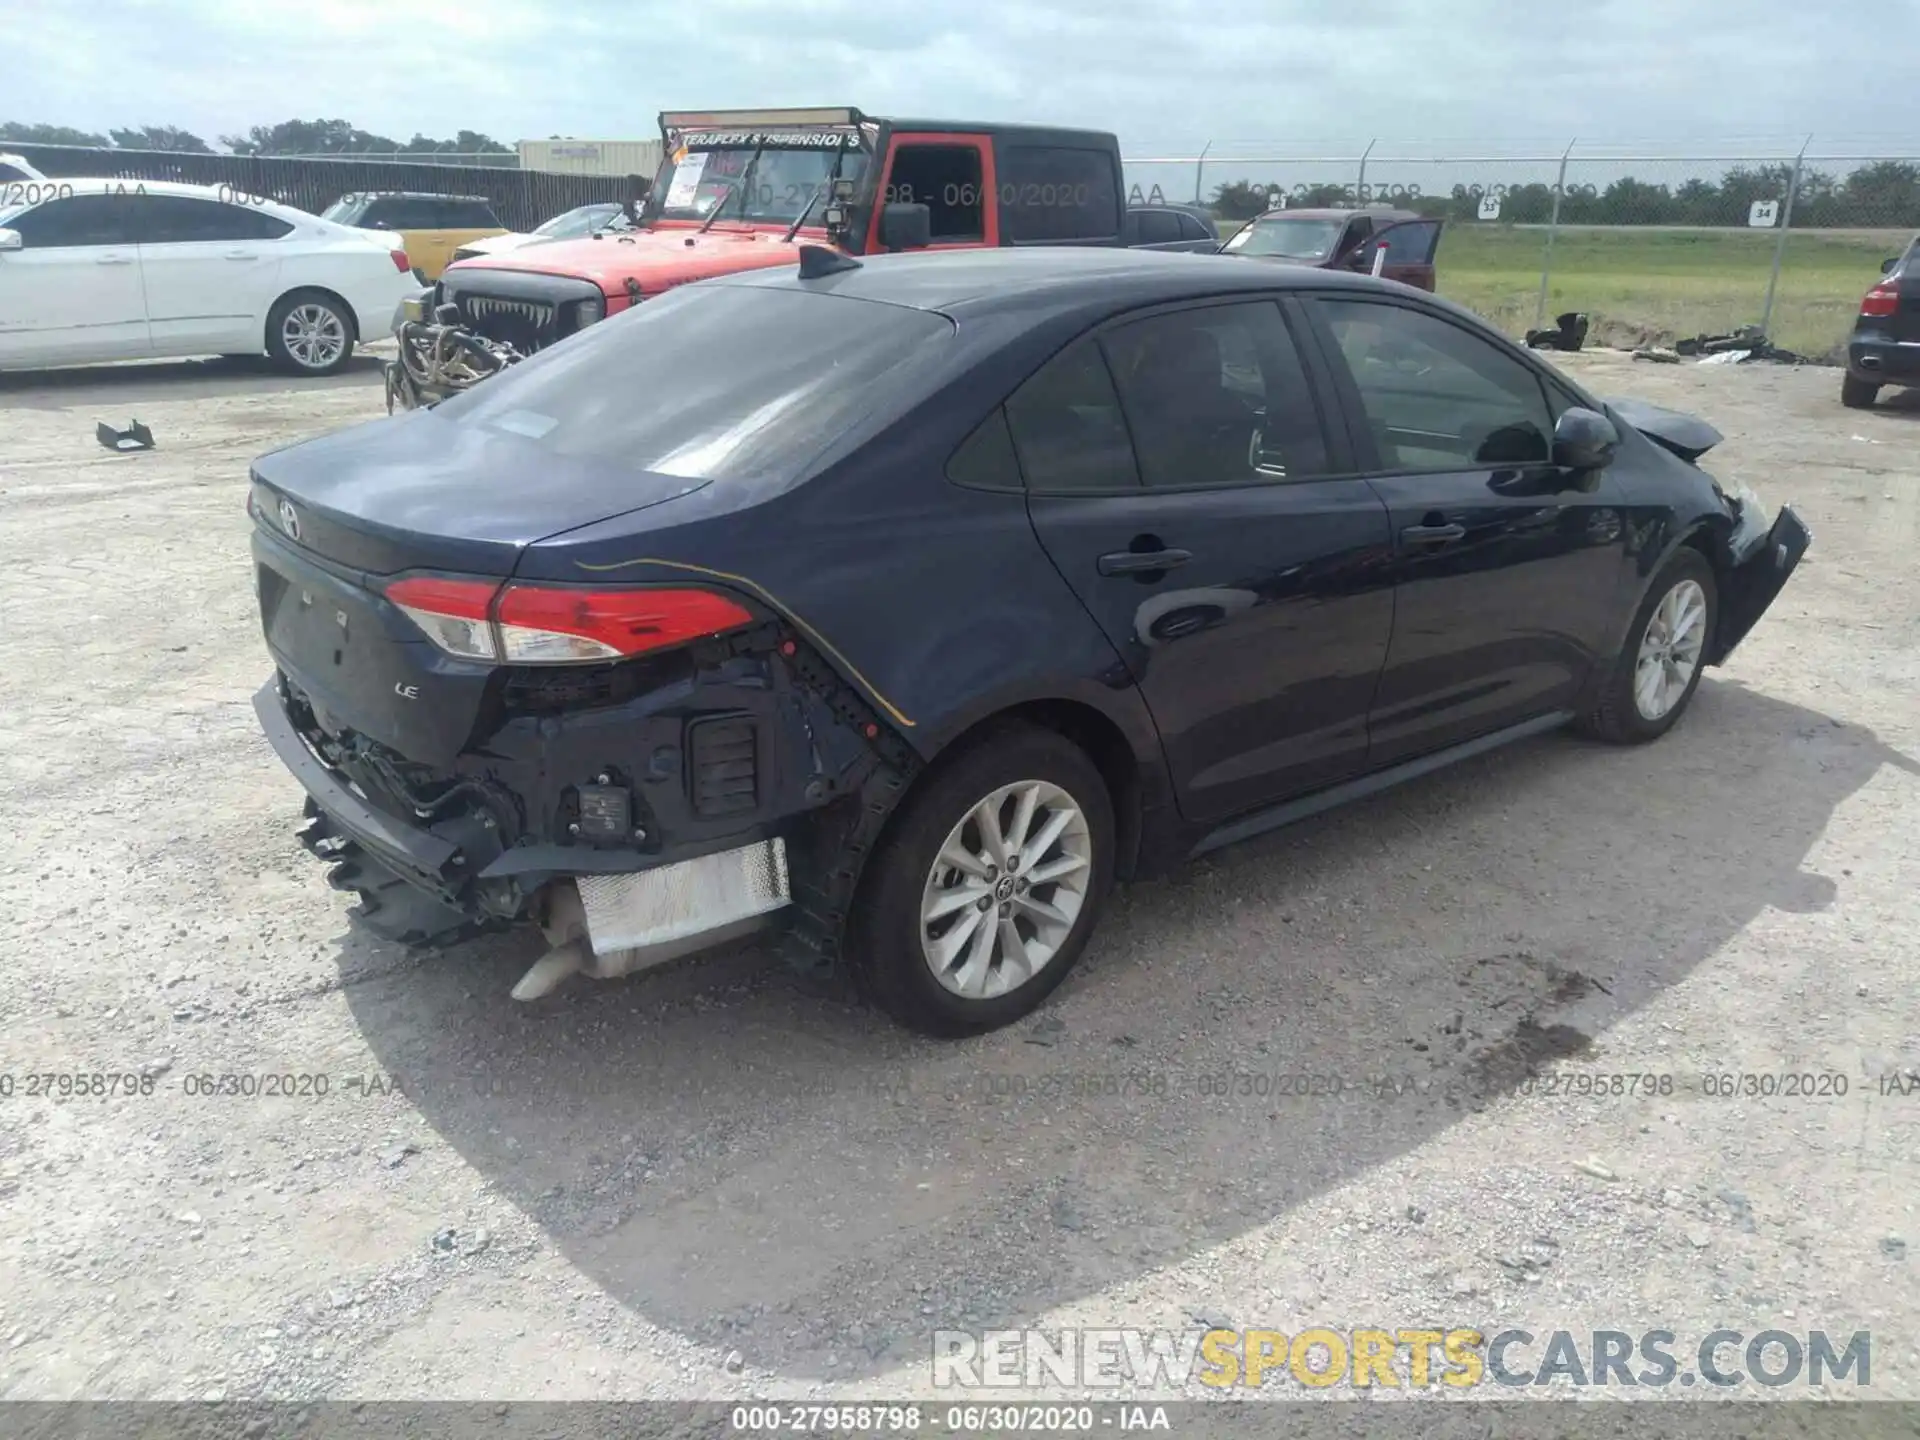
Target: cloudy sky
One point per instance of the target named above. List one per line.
(1166, 74)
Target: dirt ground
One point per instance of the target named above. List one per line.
(712, 1183)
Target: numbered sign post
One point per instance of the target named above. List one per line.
(1489, 207)
(1763, 214)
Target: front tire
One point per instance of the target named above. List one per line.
(1658, 669)
(310, 333)
(1858, 394)
(989, 882)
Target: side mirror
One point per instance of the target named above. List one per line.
(906, 227)
(1886, 266)
(10, 240)
(1584, 440)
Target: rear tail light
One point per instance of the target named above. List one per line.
(547, 626)
(400, 261)
(1881, 301)
(456, 614)
(559, 625)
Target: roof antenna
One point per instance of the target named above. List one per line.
(817, 262)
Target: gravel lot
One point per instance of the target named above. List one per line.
(711, 1183)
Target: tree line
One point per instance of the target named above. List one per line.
(1883, 194)
(289, 137)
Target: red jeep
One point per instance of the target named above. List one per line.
(743, 189)
(1399, 243)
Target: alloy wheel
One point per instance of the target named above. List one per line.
(314, 335)
(1005, 889)
(1670, 650)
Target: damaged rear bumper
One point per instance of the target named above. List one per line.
(1757, 580)
(419, 883)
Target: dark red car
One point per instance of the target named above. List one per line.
(1399, 243)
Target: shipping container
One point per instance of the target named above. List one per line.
(591, 157)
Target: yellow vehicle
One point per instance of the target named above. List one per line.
(430, 227)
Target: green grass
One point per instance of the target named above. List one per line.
(1653, 286)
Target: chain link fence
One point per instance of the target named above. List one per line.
(1653, 247)
(521, 198)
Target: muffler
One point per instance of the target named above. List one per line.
(606, 926)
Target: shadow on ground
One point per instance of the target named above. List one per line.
(748, 1164)
(155, 381)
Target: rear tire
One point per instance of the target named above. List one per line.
(1658, 669)
(1858, 394)
(921, 946)
(310, 332)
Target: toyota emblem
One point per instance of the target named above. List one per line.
(289, 519)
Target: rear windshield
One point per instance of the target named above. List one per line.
(716, 382)
(345, 210)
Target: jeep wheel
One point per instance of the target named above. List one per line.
(982, 895)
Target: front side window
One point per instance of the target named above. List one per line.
(77, 220)
(1216, 396)
(946, 179)
(1437, 396)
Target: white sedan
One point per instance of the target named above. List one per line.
(95, 270)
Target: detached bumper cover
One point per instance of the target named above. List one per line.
(1757, 580)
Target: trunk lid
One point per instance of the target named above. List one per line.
(336, 517)
(419, 493)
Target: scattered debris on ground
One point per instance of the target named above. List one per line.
(1569, 333)
(135, 437)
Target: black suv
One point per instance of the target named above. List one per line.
(1885, 346)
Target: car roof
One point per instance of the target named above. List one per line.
(999, 127)
(980, 282)
(1199, 210)
(416, 195)
(222, 194)
(1335, 212)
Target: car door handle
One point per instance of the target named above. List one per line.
(1138, 562)
(240, 255)
(1433, 534)
(113, 259)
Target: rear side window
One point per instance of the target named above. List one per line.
(180, 219)
(76, 220)
(1216, 396)
(1058, 192)
(1158, 227)
(719, 382)
(1067, 426)
(12, 172)
(467, 215)
(401, 212)
(1191, 228)
(985, 459)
